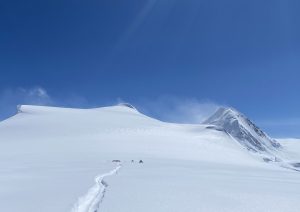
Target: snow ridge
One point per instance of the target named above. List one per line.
(92, 200)
(243, 130)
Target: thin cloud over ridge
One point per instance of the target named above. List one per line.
(37, 95)
(179, 110)
(10, 98)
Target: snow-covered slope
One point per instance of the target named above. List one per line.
(121, 128)
(51, 158)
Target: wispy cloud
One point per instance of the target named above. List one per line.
(176, 109)
(36, 95)
(10, 98)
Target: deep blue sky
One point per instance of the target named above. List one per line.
(241, 53)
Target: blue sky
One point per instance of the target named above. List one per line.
(174, 59)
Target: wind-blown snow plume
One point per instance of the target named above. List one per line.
(178, 110)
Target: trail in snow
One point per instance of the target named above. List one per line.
(92, 200)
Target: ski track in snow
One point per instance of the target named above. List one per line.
(92, 200)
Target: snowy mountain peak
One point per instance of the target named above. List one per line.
(128, 105)
(223, 114)
(242, 129)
